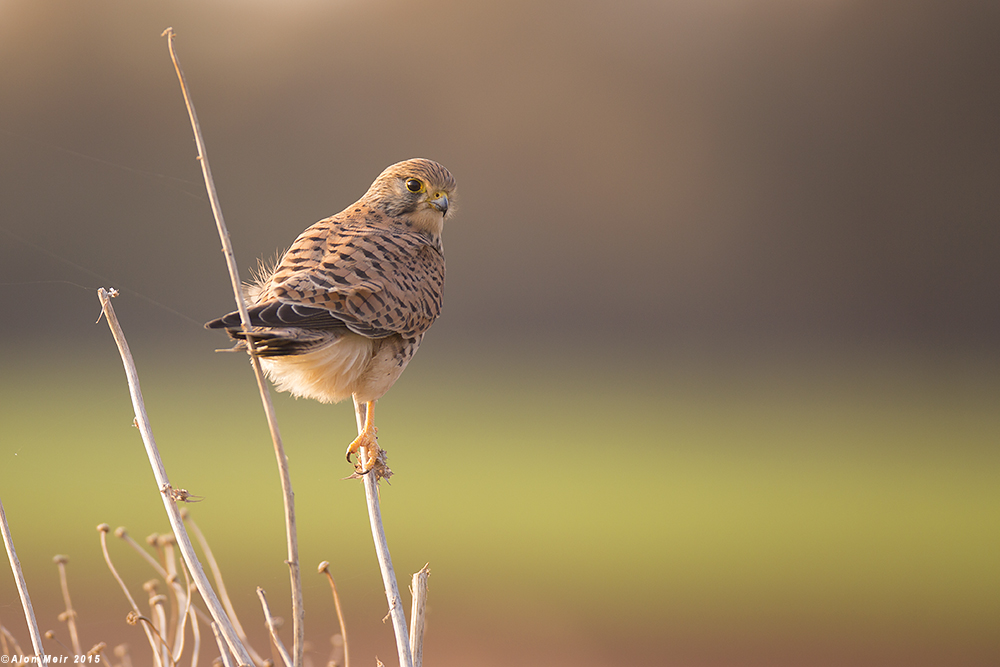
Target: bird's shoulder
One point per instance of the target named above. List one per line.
(374, 272)
(360, 239)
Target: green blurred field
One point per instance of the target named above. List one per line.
(691, 514)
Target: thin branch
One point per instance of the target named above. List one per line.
(418, 613)
(272, 627)
(195, 630)
(97, 650)
(178, 649)
(166, 490)
(134, 618)
(227, 660)
(22, 588)
(178, 604)
(288, 496)
(158, 618)
(189, 611)
(51, 636)
(69, 613)
(6, 637)
(384, 560)
(103, 530)
(123, 534)
(213, 567)
(324, 568)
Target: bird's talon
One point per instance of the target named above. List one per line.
(367, 442)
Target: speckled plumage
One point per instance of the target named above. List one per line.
(347, 305)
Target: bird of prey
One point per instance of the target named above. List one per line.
(345, 308)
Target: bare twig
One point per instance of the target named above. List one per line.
(181, 628)
(159, 612)
(133, 618)
(158, 617)
(418, 591)
(298, 628)
(189, 610)
(384, 560)
(97, 650)
(22, 588)
(213, 567)
(324, 568)
(123, 534)
(195, 630)
(227, 659)
(178, 604)
(69, 613)
(6, 637)
(272, 627)
(51, 636)
(103, 529)
(163, 483)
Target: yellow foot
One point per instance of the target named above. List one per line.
(369, 442)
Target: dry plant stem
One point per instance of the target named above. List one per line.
(158, 618)
(418, 591)
(179, 603)
(227, 659)
(213, 566)
(195, 635)
(288, 496)
(5, 637)
(324, 568)
(122, 534)
(181, 630)
(70, 614)
(384, 560)
(103, 530)
(22, 588)
(273, 628)
(189, 610)
(164, 487)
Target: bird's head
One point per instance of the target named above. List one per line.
(419, 190)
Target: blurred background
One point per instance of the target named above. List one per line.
(717, 378)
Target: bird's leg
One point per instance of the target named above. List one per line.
(367, 440)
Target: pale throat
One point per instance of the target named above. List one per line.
(428, 219)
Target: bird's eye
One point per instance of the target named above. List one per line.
(414, 185)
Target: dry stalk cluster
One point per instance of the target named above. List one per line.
(170, 616)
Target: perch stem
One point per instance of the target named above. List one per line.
(382, 551)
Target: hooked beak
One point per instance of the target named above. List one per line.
(439, 203)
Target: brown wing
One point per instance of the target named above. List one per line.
(376, 280)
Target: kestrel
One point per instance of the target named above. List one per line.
(345, 308)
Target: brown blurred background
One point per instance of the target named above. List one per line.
(642, 184)
(732, 173)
